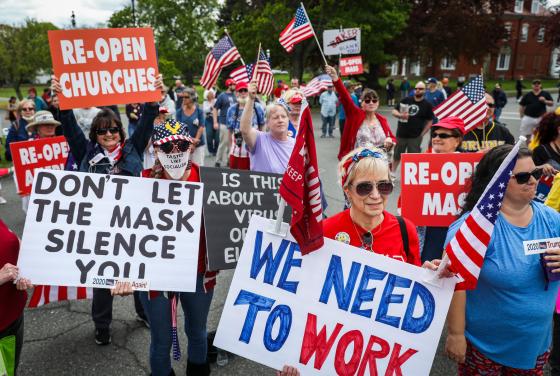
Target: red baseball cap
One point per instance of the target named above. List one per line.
(296, 98)
(451, 122)
(241, 85)
(230, 81)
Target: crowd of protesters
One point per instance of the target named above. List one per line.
(241, 130)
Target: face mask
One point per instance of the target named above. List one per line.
(175, 164)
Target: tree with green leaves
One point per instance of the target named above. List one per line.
(182, 29)
(24, 52)
(251, 22)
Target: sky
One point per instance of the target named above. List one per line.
(88, 12)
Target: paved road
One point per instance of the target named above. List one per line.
(59, 337)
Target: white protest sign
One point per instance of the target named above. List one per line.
(339, 310)
(534, 247)
(92, 230)
(345, 41)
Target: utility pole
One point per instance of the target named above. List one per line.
(133, 14)
(73, 20)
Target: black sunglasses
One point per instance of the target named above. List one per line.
(365, 188)
(243, 90)
(443, 136)
(103, 131)
(182, 146)
(368, 101)
(524, 177)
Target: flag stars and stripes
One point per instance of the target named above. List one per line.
(299, 29)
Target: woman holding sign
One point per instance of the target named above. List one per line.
(173, 147)
(366, 181)
(106, 151)
(363, 127)
(504, 326)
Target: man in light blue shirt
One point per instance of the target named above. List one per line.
(328, 101)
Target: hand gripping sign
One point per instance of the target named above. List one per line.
(434, 186)
(104, 66)
(338, 310)
(92, 230)
(29, 156)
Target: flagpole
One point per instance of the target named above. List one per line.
(314, 34)
(278, 223)
(257, 62)
(484, 124)
(229, 36)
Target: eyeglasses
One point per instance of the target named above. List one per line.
(384, 187)
(103, 131)
(443, 136)
(28, 109)
(368, 101)
(243, 90)
(491, 105)
(168, 147)
(524, 177)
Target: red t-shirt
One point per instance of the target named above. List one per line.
(12, 301)
(194, 177)
(387, 237)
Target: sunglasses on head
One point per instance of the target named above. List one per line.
(524, 177)
(443, 136)
(103, 131)
(384, 187)
(182, 146)
(371, 100)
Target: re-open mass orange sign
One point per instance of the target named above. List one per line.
(99, 67)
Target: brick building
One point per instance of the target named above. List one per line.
(523, 52)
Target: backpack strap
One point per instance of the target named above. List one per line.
(404, 234)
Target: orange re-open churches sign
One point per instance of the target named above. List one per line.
(100, 67)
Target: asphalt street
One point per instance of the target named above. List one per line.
(59, 337)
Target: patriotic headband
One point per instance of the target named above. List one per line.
(170, 130)
(283, 103)
(351, 162)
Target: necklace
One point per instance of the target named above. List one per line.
(367, 241)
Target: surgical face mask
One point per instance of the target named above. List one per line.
(174, 163)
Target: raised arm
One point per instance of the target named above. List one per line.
(141, 137)
(348, 104)
(246, 123)
(75, 137)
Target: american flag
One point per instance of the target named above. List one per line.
(223, 54)
(50, 294)
(317, 85)
(265, 78)
(468, 247)
(299, 29)
(469, 104)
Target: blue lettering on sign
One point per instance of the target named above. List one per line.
(284, 314)
(419, 324)
(335, 279)
(364, 294)
(283, 283)
(271, 261)
(256, 303)
(388, 297)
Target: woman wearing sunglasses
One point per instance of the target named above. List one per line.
(173, 148)
(363, 127)
(18, 131)
(547, 154)
(503, 327)
(446, 137)
(365, 179)
(106, 151)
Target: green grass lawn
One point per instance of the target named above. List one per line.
(3, 162)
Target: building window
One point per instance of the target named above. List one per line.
(447, 63)
(540, 35)
(520, 61)
(415, 68)
(524, 32)
(507, 27)
(395, 68)
(535, 6)
(503, 61)
(537, 63)
(518, 6)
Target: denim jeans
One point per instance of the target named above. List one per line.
(328, 124)
(212, 136)
(195, 307)
(498, 113)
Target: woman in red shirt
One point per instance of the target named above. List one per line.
(12, 297)
(365, 179)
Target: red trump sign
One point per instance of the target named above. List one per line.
(434, 186)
